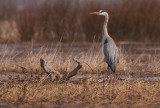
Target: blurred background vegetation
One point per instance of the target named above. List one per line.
(69, 20)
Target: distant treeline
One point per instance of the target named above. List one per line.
(69, 20)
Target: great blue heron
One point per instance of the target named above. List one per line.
(109, 47)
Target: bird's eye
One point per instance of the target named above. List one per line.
(100, 11)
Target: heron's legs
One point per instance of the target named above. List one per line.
(108, 73)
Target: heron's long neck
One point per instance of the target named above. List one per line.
(105, 30)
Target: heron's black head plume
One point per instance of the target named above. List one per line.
(101, 11)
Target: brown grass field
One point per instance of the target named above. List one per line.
(16, 91)
(58, 31)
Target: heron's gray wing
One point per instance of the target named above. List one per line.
(111, 54)
(108, 53)
(117, 55)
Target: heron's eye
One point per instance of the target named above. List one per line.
(100, 11)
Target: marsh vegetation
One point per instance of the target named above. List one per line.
(68, 21)
(135, 84)
(50, 54)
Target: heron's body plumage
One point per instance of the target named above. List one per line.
(111, 53)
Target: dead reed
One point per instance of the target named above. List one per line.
(113, 93)
(60, 59)
(69, 21)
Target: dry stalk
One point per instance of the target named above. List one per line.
(23, 68)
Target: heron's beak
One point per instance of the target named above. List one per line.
(94, 13)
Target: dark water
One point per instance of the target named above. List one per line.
(129, 48)
(10, 76)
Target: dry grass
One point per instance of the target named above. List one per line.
(114, 93)
(60, 59)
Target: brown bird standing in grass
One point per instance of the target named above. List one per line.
(110, 49)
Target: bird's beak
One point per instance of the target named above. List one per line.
(94, 13)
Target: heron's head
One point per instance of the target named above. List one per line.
(101, 12)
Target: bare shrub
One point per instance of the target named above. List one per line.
(8, 31)
(70, 20)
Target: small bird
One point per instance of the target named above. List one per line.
(110, 50)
